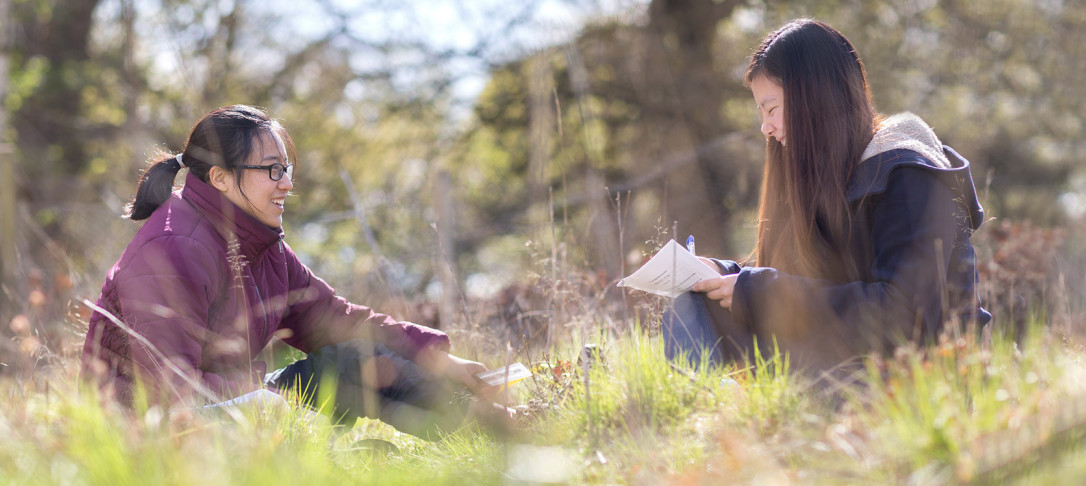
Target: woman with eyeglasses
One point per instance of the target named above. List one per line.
(208, 281)
(863, 225)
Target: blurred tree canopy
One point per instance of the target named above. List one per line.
(594, 141)
(999, 82)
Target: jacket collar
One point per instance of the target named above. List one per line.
(228, 219)
(873, 176)
(906, 131)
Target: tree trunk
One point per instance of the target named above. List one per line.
(49, 133)
(446, 257)
(49, 123)
(541, 127)
(604, 229)
(7, 180)
(682, 33)
(50, 118)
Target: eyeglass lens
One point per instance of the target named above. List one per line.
(277, 171)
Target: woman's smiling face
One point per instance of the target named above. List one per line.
(769, 95)
(260, 196)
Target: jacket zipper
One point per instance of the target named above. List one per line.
(261, 297)
(263, 309)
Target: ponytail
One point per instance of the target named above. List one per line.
(154, 188)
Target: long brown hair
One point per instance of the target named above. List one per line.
(804, 220)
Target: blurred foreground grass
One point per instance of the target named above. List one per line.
(959, 411)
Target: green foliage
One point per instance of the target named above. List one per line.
(965, 407)
(638, 390)
(22, 82)
(960, 410)
(69, 437)
(772, 395)
(999, 81)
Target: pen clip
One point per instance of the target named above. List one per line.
(690, 245)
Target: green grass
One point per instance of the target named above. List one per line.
(960, 411)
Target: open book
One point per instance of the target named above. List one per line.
(504, 376)
(671, 272)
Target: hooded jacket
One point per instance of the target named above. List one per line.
(202, 288)
(914, 210)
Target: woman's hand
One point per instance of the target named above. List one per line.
(463, 371)
(454, 368)
(719, 289)
(486, 409)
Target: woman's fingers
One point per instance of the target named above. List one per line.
(463, 371)
(457, 369)
(719, 293)
(706, 285)
(471, 368)
(719, 289)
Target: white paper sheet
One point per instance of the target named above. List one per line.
(506, 375)
(671, 272)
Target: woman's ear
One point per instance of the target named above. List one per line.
(220, 178)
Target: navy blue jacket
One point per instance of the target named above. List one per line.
(911, 228)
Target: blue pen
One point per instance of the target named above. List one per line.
(690, 244)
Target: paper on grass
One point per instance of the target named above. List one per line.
(506, 375)
(671, 272)
(262, 397)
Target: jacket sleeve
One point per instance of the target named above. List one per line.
(166, 292)
(726, 267)
(317, 317)
(913, 224)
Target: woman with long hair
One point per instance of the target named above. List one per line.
(863, 223)
(208, 280)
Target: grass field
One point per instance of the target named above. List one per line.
(957, 412)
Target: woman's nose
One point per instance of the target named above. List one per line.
(286, 183)
(767, 128)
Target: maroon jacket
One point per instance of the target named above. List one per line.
(208, 286)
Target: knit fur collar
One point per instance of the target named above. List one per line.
(907, 131)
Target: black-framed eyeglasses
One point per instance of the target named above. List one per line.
(275, 171)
